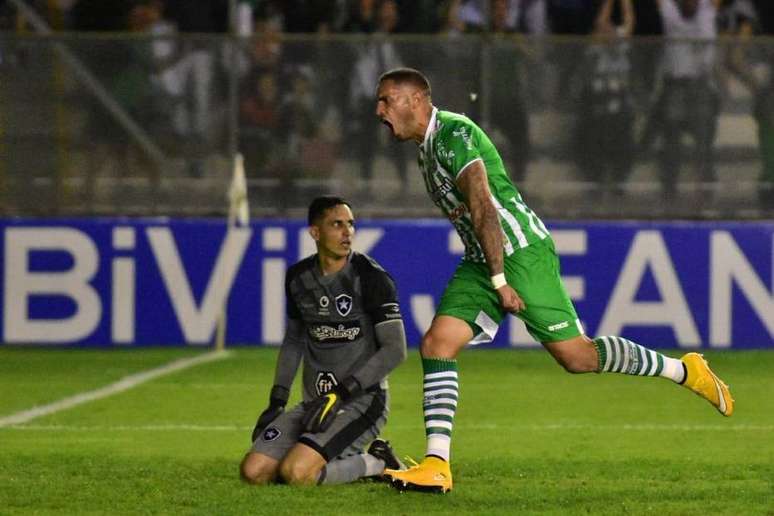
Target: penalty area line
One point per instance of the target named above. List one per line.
(124, 384)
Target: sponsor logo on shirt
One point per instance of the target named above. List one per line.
(323, 308)
(338, 333)
(443, 185)
(457, 212)
(462, 133)
(445, 154)
(325, 382)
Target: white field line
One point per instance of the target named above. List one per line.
(649, 427)
(124, 384)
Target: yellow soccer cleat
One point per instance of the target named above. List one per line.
(701, 380)
(432, 474)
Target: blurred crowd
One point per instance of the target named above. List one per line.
(302, 107)
(412, 16)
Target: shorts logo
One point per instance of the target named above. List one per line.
(343, 304)
(558, 326)
(325, 382)
(270, 434)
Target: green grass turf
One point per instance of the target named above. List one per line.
(528, 438)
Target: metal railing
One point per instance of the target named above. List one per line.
(137, 124)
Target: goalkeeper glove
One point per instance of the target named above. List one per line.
(277, 401)
(320, 412)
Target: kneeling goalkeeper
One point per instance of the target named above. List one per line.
(345, 323)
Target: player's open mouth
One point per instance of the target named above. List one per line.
(388, 124)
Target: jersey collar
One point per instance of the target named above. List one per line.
(328, 277)
(430, 127)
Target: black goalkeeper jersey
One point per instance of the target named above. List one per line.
(338, 313)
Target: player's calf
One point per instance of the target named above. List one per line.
(577, 355)
(620, 355)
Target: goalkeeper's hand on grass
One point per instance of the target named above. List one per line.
(320, 412)
(277, 402)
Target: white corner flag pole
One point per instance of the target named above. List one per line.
(238, 216)
(239, 211)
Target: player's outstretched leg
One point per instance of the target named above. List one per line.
(619, 355)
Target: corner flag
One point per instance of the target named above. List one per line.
(238, 216)
(239, 209)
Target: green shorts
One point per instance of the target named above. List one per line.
(534, 273)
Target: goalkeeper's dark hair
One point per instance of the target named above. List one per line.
(407, 76)
(322, 204)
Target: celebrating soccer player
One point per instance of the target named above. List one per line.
(510, 266)
(345, 323)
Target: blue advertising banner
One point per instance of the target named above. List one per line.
(137, 282)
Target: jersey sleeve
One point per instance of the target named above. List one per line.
(457, 147)
(291, 308)
(381, 298)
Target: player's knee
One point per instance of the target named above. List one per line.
(426, 346)
(296, 473)
(445, 338)
(432, 346)
(254, 471)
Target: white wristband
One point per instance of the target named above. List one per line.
(498, 280)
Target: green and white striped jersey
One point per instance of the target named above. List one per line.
(453, 142)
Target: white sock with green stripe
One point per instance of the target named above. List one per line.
(441, 390)
(619, 355)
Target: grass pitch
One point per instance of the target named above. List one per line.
(528, 438)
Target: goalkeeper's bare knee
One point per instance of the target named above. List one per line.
(298, 473)
(255, 469)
